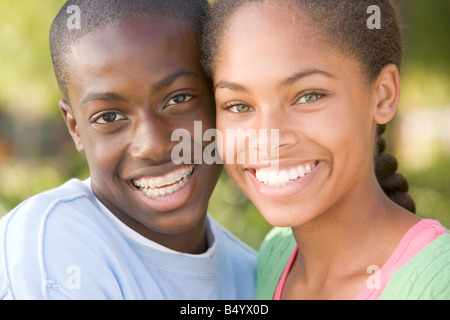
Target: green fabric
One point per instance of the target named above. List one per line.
(424, 277)
(273, 256)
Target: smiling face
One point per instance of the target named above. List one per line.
(273, 71)
(131, 84)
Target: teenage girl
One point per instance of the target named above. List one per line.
(317, 72)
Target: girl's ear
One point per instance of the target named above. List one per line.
(71, 123)
(387, 88)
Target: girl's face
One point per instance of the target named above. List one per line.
(274, 72)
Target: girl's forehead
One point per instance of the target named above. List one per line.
(273, 29)
(274, 20)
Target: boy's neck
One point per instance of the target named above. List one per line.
(193, 241)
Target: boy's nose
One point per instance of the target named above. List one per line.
(151, 140)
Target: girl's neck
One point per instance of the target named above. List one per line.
(360, 231)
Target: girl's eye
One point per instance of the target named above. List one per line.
(109, 117)
(181, 98)
(239, 108)
(309, 97)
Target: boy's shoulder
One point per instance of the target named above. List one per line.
(42, 204)
(236, 263)
(226, 237)
(33, 216)
(34, 236)
(242, 256)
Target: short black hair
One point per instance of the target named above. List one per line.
(95, 14)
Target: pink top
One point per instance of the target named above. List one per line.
(418, 237)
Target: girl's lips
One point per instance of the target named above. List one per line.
(281, 183)
(277, 178)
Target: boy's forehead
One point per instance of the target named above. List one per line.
(146, 28)
(136, 48)
(134, 32)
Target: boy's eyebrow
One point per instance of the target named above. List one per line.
(167, 81)
(102, 96)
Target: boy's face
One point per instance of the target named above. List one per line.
(131, 84)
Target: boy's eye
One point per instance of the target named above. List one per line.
(239, 108)
(309, 97)
(109, 117)
(181, 98)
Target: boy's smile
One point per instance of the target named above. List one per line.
(164, 185)
(131, 84)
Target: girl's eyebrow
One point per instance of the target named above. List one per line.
(303, 74)
(229, 85)
(224, 84)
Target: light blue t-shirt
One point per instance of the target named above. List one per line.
(63, 244)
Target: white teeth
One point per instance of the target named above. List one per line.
(154, 187)
(301, 171)
(282, 177)
(273, 178)
(307, 168)
(293, 174)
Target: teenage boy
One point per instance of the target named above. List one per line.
(138, 227)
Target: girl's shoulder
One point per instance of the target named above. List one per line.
(274, 254)
(426, 276)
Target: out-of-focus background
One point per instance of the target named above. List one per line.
(36, 152)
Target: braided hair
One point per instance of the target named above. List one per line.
(393, 184)
(345, 28)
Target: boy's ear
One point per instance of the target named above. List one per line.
(388, 94)
(71, 123)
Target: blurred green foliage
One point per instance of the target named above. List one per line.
(29, 95)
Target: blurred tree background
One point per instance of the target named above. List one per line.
(36, 152)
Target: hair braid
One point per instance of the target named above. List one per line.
(393, 184)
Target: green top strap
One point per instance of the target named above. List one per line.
(424, 277)
(273, 256)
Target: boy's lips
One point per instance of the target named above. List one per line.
(166, 184)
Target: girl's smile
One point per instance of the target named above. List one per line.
(314, 96)
(312, 71)
(283, 182)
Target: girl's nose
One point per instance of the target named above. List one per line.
(279, 130)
